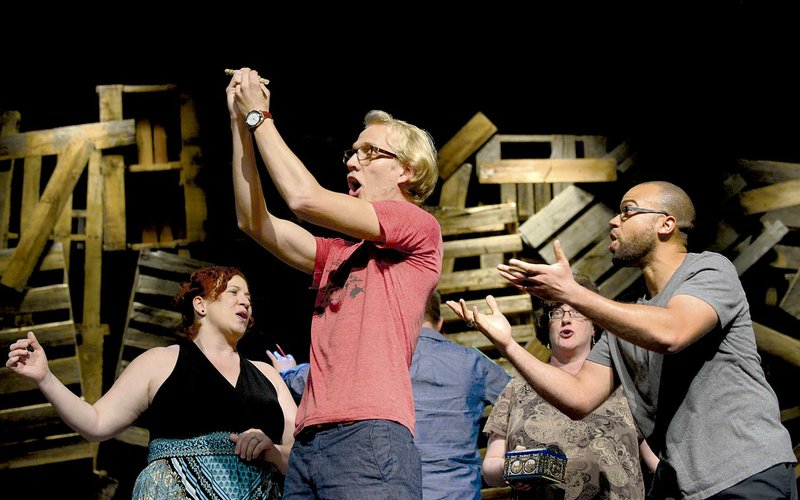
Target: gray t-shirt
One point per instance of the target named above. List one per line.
(708, 410)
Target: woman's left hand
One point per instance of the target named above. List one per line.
(251, 444)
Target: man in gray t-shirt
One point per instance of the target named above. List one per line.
(686, 355)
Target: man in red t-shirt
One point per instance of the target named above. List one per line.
(355, 424)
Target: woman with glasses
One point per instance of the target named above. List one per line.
(601, 448)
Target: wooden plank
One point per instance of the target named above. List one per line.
(191, 161)
(512, 304)
(777, 344)
(594, 263)
(67, 370)
(155, 167)
(93, 264)
(454, 189)
(114, 205)
(31, 183)
(619, 282)
(474, 279)
(790, 216)
(166, 261)
(464, 143)
(62, 230)
(157, 286)
(57, 334)
(142, 89)
(9, 125)
(144, 141)
(791, 299)
(103, 135)
(110, 102)
(504, 243)
(547, 170)
(591, 226)
(476, 219)
(69, 168)
(137, 436)
(566, 205)
(772, 234)
(144, 340)
(54, 259)
(473, 338)
(91, 360)
(768, 172)
(772, 197)
(786, 257)
(79, 451)
(162, 318)
(46, 298)
(160, 143)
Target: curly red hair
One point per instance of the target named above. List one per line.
(209, 283)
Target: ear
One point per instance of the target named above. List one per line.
(439, 325)
(199, 305)
(668, 226)
(406, 175)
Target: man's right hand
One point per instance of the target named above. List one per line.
(280, 362)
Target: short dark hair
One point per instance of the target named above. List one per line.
(433, 311)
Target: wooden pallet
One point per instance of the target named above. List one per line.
(152, 320)
(31, 432)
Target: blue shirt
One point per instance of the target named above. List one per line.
(452, 385)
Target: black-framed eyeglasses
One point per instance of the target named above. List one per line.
(559, 313)
(630, 210)
(366, 154)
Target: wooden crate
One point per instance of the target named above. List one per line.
(31, 432)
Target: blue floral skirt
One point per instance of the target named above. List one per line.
(204, 467)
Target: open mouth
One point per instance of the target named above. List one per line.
(354, 186)
(243, 315)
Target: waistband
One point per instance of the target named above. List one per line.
(217, 443)
(311, 430)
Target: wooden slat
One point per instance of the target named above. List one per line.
(772, 234)
(454, 189)
(504, 243)
(473, 338)
(512, 304)
(69, 168)
(591, 226)
(191, 160)
(786, 257)
(469, 280)
(595, 262)
(772, 197)
(137, 436)
(547, 170)
(143, 89)
(166, 261)
(31, 183)
(79, 451)
(160, 143)
(768, 172)
(46, 298)
(477, 219)
(791, 299)
(55, 334)
(564, 206)
(144, 340)
(157, 286)
(469, 139)
(790, 216)
(9, 125)
(114, 225)
(777, 344)
(144, 141)
(53, 260)
(153, 316)
(103, 135)
(155, 167)
(67, 370)
(110, 102)
(619, 282)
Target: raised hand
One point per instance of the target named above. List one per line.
(546, 281)
(26, 357)
(494, 325)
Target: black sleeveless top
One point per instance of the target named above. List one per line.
(196, 399)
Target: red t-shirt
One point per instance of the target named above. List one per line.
(371, 298)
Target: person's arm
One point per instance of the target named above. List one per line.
(575, 395)
(303, 194)
(111, 414)
(665, 330)
(493, 461)
(286, 240)
(648, 457)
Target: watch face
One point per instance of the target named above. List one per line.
(253, 118)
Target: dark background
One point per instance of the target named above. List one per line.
(692, 88)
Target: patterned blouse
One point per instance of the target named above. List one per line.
(602, 448)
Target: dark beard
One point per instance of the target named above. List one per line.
(632, 253)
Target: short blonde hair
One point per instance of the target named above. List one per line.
(414, 147)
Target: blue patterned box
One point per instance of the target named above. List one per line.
(547, 462)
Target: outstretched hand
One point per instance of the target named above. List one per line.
(252, 444)
(494, 325)
(27, 358)
(246, 92)
(546, 281)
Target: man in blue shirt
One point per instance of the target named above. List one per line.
(452, 386)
